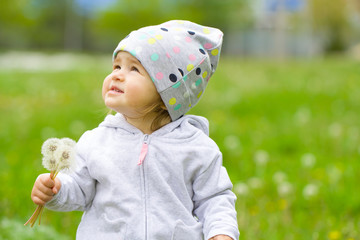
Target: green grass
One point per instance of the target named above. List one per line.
(289, 133)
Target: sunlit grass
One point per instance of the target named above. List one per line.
(289, 132)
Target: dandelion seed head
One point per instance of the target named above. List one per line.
(232, 142)
(49, 146)
(261, 158)
(310, 191)
(255, 183)
(66, 156)
(241, 189)
(334, 174)
(58, 154)
(302, 115)
(279, 177)
(50, 163)
(335, 130)
(285, 189)
(308, 160)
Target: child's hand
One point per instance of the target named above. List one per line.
(221, 237)
(44, 189)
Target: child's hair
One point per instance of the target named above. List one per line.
(162, 115)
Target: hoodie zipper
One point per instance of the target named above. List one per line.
(144, 149)
(143, 153)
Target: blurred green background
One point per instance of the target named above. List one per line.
(283, 105)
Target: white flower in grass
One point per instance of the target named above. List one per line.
(284, 189)
(261, 158)
(335, 130)
(334, 174)
(308, 160)
(241, 189)
(232, 142)
(310, 191)
(49, 146)
(255, 183)
(279, 177)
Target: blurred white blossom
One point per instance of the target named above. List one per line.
(261, 158)
(279, 177)
(285, 189)
(302, 115)
(310, 191)
(255, 183)
(308, 160)
(232, 142)
(334, 174)
(241, 189)
(335, 130)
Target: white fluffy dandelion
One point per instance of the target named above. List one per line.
(65, 156)
(255, 183)
(310, 191)
(49, 146)
(232, 142)
(284, 189)
(261, 157)
(279, 177)
(308, 160)
(50, 163)
(58, 155)
(241, 189)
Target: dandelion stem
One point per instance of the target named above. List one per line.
(40, 214)
(35, 215)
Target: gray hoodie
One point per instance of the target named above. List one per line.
(169, 185)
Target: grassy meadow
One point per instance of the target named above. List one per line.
(289, 132)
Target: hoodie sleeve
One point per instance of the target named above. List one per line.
(78, 188)
(215, 202)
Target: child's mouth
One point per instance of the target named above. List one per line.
(115, 89)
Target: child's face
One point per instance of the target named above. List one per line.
(129, 89)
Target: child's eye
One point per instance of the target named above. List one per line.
(133, 68)
(116, 67)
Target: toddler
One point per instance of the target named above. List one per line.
(151, 172)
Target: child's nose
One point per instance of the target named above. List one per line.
(118, 75)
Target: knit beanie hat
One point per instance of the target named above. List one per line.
(180, 57)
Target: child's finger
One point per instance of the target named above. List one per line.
(57, 186)
(44, 189)
(47, 181)
(40, 198)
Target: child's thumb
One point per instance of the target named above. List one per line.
(57, 186)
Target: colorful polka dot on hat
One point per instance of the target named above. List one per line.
(180, 57)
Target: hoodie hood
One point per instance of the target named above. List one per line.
(183, 124)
